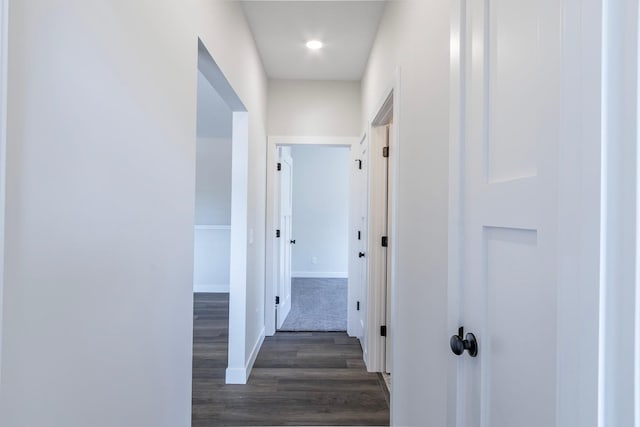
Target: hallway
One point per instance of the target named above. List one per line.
(298, 378)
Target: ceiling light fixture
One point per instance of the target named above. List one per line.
(314, 44)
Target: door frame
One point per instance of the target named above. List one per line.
(620, 223)
(389, 102)
(240, 361)
(272, 257)
(578, 261)
(4, 36)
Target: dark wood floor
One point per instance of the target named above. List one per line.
(298, 378)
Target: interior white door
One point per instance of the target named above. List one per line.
(388, 293)
(377, 254)
(363, 190)
(286, 240)
(508, 125)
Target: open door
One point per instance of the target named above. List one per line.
(286, 201)
(361, 187)
(507, 122)
(380, 242)
(387, 298)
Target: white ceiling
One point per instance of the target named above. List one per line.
(281, 29)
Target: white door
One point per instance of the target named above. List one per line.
(508, 121)
(377, 340)
(286, 240)
(362, 191)
(388, 338)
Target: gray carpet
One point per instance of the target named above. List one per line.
(317, 305)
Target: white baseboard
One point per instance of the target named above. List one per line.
(319, 275)
(236, 376)
(254, 352)
(213, 289)
(241, 375)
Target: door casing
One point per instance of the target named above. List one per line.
(272, 257)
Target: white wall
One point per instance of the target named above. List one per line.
(97, 312)
(213, 192)
(320, 211)
(212, 231)
(213, 181)
(414, 35)
(314, 108)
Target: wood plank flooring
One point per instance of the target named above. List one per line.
(298, 379)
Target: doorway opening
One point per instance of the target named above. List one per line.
(316, 258)
(314, 238)
(220, 222)
(381, 240)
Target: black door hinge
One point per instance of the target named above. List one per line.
(277, 300)
(358, 305)
(277, 234)
(359, 164)
(385, 151)
(383, 330)
(279, 167)
(359, 235)
(385, 241)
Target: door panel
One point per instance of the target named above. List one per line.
(508, 208)
(388, 293)
(377, 254)
(363, 188)
(286, 211)
(514, 59)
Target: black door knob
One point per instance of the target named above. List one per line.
(361, 255)
(459, 345)
(293, 242)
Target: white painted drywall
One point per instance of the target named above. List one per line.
(213, 181)
(213, 119)
(98, 298)
(213, 208)
(213, 191)
(414, 35)
(314, 108)
(320, 211)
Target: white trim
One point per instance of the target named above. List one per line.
(241, 375)
(617, 399)
(212, 227)
(238, 250)
(208, 288)
(319, 275)
(578, 227)
(332, 141)
(4, 36)
(271, 272)
(637, 242)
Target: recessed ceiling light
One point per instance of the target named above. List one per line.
(314, 44)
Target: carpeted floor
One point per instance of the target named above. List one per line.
(317, 305)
